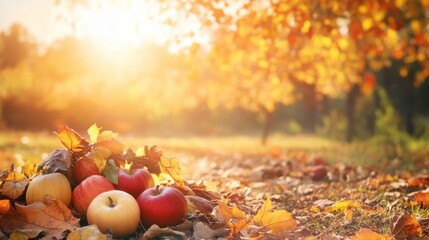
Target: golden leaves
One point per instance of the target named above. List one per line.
(71, 139)
(277, 221)
(171, 166)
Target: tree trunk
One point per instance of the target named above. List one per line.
(350, 111)
(268, 116)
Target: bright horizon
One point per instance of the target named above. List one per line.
(113, 26)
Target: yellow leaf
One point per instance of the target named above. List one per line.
(229, 213)
(170, 166)
(99, 155)
(277, 221)
(71, 139)
(93, 132)
(343, 206)
(367, 234)
(140, 152)
(106, 136)
(90, 232)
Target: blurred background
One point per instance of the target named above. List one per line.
(345, 70)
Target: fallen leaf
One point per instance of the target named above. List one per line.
(368, 234)
(405, 225)
(115, 147)
(277, 221)
(30, 168)
(106, 136)
(199, 204)
(13, 189)
(93, 132)
(111, 172)
(343, 206)
(50, 216)
(24, 234)
(90, 232)
(72, 140)
(171, 166)
(228, 213)
(202, 231)
(57, 161)
(99, 155)
(4, 205)
(421, 197)
(155, 231)
(419, 181)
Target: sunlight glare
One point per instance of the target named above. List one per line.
(115, 28)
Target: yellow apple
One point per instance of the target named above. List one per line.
(115, 212)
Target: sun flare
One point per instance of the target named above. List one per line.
(117, 27)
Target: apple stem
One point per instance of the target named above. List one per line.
(157, 189)
(111, 202)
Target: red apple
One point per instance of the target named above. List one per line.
(162, 206)
(87, 190)
(134, 181)
(83, 168)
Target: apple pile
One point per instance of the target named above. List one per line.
(116, 207)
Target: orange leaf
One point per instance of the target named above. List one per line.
(71, 139)
(406, 225)
(4, 205)
(229, 213)
(277, 221)
(417, 182)
(422, 197)
(368, 234)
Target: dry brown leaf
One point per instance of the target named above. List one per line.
(199, 204)
(90, 232)
(13, 189)
(277, 221)
(50, 216)
(155, 231)
(368, 234)
(405, 225)
(202, 231)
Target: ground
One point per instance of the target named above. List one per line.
(364, 187)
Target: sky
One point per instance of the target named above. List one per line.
(38, 16)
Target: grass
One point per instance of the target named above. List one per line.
(21, 146)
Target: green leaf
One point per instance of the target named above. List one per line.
(111, 171)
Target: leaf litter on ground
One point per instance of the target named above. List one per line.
(267, 195)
